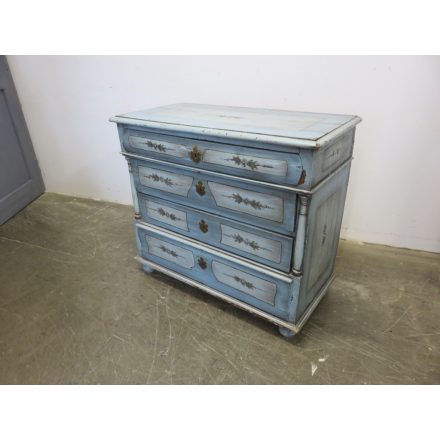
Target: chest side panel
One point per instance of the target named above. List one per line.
(329, 158)
(324, 236)
(323, 229)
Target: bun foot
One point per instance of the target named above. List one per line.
(286, 332)
(148, 269)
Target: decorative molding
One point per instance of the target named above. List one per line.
(304, 203)
(298, 254)
(137, 211)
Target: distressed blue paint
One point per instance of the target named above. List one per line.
(324, 219)
(300, 233)
(147, 269)
(283, 290)
(187, 222)
(250, 122)
(269, 246)
(311, 161)
(270, 166)
(279, 217)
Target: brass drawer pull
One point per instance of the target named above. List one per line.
(202, 263)
(195, 154)
(203, 226)
(200, 188)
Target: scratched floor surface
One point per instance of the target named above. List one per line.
(75, 308)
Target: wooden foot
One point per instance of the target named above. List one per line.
(286, 332)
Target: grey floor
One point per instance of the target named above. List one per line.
(75, 308)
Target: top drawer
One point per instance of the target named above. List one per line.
(269, 166)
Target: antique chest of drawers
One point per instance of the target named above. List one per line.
(245, 204)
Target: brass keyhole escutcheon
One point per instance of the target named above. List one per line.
(203, 226)
(200, 188)
(202, 263)
(195, 154)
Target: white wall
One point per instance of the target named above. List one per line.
(395, 181)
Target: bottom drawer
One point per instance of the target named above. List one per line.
(251, 283)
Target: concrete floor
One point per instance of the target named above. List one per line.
(75, 308)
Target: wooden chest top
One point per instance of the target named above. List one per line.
(299, 129)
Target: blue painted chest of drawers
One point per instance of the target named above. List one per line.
(245, 204)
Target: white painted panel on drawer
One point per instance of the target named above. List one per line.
(157, 147)
(167, 251)
(253, 203)
(254, 244)
(169, 182)
(251, 163)
(254, 286)
(167, 215)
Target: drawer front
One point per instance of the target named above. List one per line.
(266, 247)
(262, 290)
(270, 166)
(217, 194)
